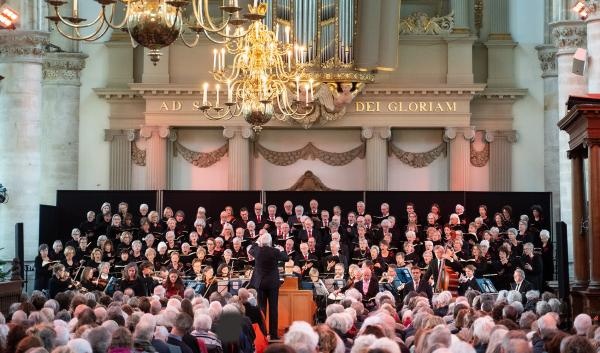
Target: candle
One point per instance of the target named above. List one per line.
(204, 99)
(298, 88)
(227, 31)
(312, 96)
(223, 58)
(218, 87)
(306, 92)
(75, 8)
(287, 34)
(255, 3)
(229, 92)
(289, 56)
(215, 59)
(277, 31)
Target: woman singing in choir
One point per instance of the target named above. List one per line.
(43, 268)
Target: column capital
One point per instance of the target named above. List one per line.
(383, 132)
(510, 136)
(161, 131)
(22, 46)
(468, 133)
(63, 68)
(547, 58)
(568, 35)
(230, 132)
(110, 134)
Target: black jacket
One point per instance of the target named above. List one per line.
(266, 272)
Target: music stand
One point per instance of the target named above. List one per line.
(485, 285)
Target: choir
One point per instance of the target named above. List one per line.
(371, 252)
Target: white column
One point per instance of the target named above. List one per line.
(20, 133)
(501, 159)
(156, 156)
(459, 140)
(120, 158)
(60, 124)
(238, 175)
(567, 36)
(377, 157)
(461, 11)
(593, 47)
(547, 57)
(499, 25)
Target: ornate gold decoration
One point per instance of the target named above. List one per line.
(418, 159)
(201, 159)
(479, 158)
(421, 23)
(309, 182)
(138, 156)
(478, 15)
(310, 152)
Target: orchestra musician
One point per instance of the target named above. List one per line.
(417, 284)
(210, 282)
(87, 279)
(59, 282)
(367, 286)
(174, 284)
(443, 257)
(132, 280)
(101, 281)
(468, 281)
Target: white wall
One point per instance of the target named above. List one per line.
(527, 26)
(402, 177)
(186, 176)
(352, 176)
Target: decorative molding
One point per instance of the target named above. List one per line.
(138, 156)
(509, 135)
(418, 159)
(450, 133)
(63, 67)
(547, 57)
(569, 35)
(309, 182)
(478, 10)
(420, 23)
(310, 152)
(479, 158)
(201, 159)
(23, 46)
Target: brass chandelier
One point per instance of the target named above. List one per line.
(153, 24)
(266, 77)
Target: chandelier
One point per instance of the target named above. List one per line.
(266, 78)
(153, 24)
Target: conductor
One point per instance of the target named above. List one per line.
(265, 277)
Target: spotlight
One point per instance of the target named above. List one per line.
(3, 194)
(583, 9)
(8, 17)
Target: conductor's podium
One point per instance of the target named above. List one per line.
(294, 305)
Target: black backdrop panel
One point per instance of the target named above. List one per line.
(327, 199)
(213, 201)
(48, 224)
(422, 200)
(73, 205)
(520, 202)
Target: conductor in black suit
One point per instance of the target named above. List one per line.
(265, 277)
(417, 284)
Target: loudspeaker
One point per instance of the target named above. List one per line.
(579, 61)
(19, 247)
(562, 260)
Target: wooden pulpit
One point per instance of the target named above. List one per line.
(582, 123)
(294, 305)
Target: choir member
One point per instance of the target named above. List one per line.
(175, 263)
(547, 256)
(59, 282)
(74, 241)
(108, 252)
(288, 210)
(199, 226)
(132, 280)
(503, 269)
(114, 230)
(69, 263)
(88, 227)
(56, 253)
(174, 284)
(531, 264)
(95, 258)
(379, 265)
(43, 268)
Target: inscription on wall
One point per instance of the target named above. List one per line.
(409, 107)
(405, 107)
